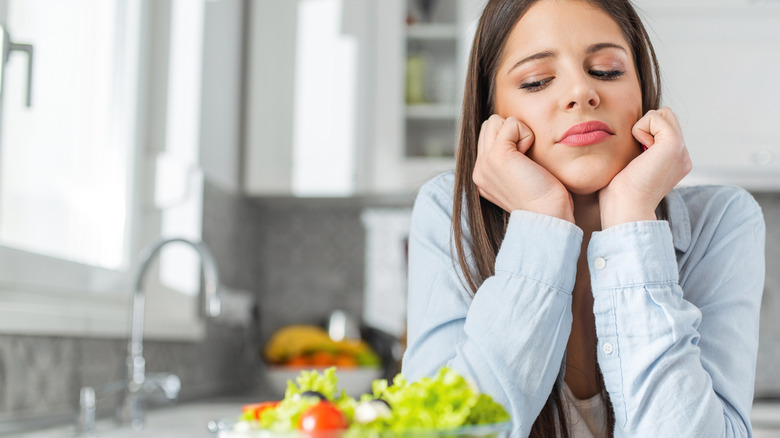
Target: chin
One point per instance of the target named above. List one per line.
(584, 188)
(587, 181)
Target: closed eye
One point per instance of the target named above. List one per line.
(607, 75)
(536, 85)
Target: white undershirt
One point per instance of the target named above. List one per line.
(586, 418)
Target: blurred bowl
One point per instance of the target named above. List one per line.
(356, 381)
(496, 430)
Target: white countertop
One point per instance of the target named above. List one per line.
(190, 420)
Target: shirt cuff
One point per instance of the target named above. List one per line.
(541, 247)
(631, 254)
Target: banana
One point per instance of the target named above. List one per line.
(293, 340)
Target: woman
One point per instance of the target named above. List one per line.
(558, 267)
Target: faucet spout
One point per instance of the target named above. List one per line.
(137, 381)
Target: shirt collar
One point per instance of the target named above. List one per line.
(679, 221)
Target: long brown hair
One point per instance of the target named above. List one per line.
(487, 222)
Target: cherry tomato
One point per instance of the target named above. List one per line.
(257, 409)
(321, 417)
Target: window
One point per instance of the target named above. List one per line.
(103, 162)
(78, 131)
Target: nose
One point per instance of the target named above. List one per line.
(582, 94)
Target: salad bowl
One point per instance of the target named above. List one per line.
(444, 405)
(496, 430)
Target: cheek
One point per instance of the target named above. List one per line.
(633, 99)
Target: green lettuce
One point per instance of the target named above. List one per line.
(445, 401)
(286, 416)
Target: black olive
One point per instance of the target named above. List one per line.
(314, 394)
(383, 401)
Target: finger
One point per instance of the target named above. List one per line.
(526, 137)
(515, 135)
(670, 117)
(481, 140)
(487, 135)
(642, 137)
(491, 127)
(647, 127)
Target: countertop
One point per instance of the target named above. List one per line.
(190, 420)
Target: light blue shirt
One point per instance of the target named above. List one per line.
(676, 306)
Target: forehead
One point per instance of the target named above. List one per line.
(562, 25)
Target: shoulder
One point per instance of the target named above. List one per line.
(435, 197)
(702, 215)
(432, 223)
(439, 188)
(719, 203)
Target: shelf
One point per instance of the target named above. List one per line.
(432, 31)
(431, 111)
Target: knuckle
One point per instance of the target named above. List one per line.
(687, 165)
(477, 177)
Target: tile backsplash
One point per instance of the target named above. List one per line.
(302, 258)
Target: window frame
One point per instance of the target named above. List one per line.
(43, 295)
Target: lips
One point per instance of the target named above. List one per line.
(587, 133)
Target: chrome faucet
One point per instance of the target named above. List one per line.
(138, 385)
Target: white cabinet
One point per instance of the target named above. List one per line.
(720, 67)
(419, 75)
(394, 147)
(270, 77)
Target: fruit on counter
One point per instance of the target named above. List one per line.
(310, 345)
(322, 416)
(313, 403)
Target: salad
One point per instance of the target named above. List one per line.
(314, 407)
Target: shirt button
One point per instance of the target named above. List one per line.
(600, 263)
(607, 348)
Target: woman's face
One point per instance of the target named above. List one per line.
(567, 72)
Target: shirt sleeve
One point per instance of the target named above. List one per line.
(509, 338)
(678, 339)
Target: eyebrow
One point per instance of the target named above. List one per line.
(593, 48)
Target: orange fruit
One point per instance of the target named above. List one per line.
(297, 361)
(345, 361)
(322, 358)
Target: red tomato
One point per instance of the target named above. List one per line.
(322, 416)
(257, 409)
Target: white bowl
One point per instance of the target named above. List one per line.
(496, 430)
(356, 381)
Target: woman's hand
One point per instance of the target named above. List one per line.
(635, 192)
(506, 177)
